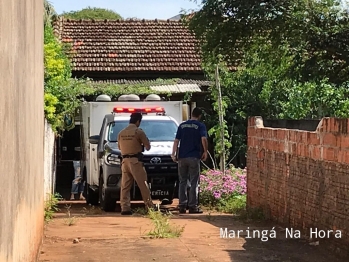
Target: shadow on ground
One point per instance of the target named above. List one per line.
(203, 237)
(277, 247)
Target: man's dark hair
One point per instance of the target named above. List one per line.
(135, 117)
(197, 112)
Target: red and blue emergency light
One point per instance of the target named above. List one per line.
(138, 110)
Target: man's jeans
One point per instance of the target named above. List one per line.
(77, 184)
(189, 168)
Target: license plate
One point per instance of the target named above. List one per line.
(160, 193)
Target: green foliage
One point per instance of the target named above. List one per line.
(50, 107)
(49, 12)
(290, 57)
(57, 79)
(92, 13)
(51, 206)
(315, 100)
(234, 204)
(314, 31)
(57, 64)
(219, 131)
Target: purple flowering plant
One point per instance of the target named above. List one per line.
(216, 187)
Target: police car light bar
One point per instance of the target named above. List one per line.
(138, 110)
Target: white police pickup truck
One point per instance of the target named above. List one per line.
(101, 164)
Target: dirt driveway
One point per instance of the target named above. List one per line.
(98, 236)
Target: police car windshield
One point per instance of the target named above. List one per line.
(156, 130)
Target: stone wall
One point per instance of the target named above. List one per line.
(301, 178)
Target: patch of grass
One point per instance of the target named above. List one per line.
(162, 226)
(51, 206)
(234, 204)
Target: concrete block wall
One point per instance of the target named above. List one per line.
(21, 130)
(301, 178)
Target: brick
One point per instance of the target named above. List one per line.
(290, 190)
(316, 153)
(261, 154)
(334, 125)
(302, 137)
(300, 149)
(267, 133)
(343, 125)
(281, 134)
(256, 142)
(259, 132)
(326, 125)
(250, 141)
(271, 145)
(330, 154)
(277, 146)
(343, 156)
(344, 141)
(293, 149)
(275, 133)
(292, 136)
(313, 139)
(330, 139)
(251, 131)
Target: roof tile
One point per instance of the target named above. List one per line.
(130, 45)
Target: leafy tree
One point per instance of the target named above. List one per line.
(49, 12)
(92, 13)
(316, 32)
(290, 60)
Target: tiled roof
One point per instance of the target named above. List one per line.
(200, 83)
(130, 45)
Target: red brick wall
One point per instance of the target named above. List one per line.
(301, 179)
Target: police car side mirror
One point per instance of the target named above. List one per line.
(94, 139)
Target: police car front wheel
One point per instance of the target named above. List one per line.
(108, 204)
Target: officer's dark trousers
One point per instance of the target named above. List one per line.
(132, 169)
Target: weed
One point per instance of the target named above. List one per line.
(140, 211)
(92, 210)
(70, 220)
(51, 206)
(162, 226)
(233, 205)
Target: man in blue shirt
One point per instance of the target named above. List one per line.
(192, 140)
